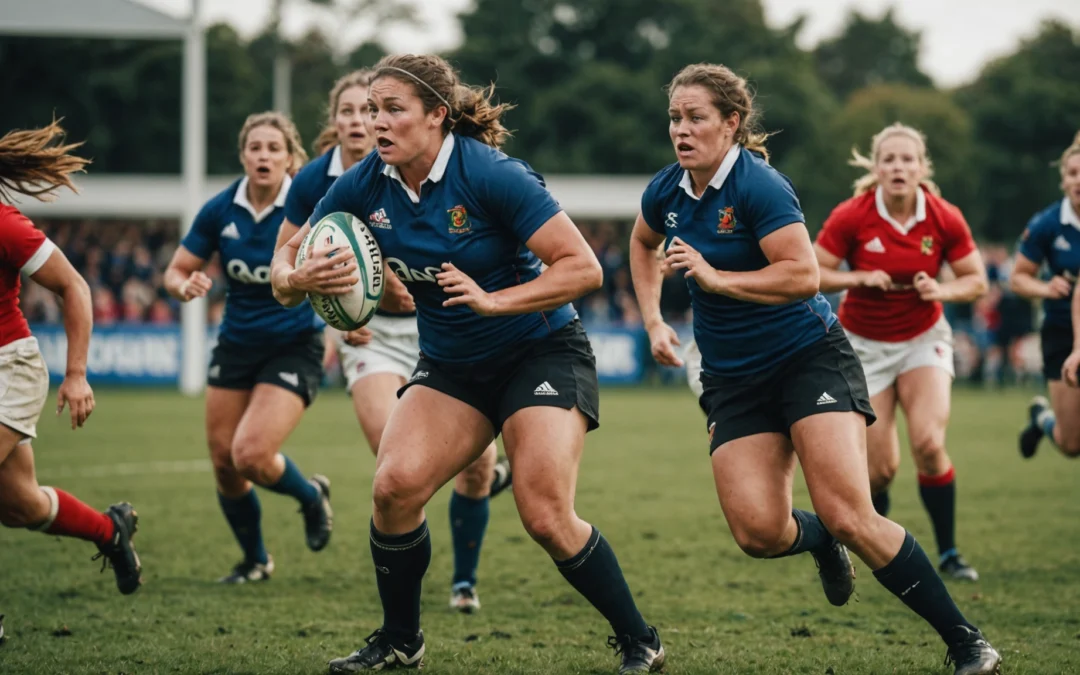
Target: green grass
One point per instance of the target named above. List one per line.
(645, 481)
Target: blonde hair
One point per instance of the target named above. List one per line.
(1073, 149)
(471, 111)
(36, 162)
(869, 181)
(730, 94)
(293, 145)
(328, 137)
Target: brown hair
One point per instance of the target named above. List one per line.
(730, 94)
(283, 124)
(471, 111)
(36, 162)
(869, 181)
(328, 136)
(1073, 149)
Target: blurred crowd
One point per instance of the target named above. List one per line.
(123, 262)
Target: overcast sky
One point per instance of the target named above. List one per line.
(958, 35)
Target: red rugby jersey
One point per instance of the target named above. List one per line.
(861, 231)
(23, 249)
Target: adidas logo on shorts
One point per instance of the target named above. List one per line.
(825, 399)
(545, 389)
(291, 378)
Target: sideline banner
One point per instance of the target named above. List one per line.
(150, 355)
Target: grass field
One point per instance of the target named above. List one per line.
(645, 482)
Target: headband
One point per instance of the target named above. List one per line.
(449, 108)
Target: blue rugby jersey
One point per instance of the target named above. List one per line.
(309, 186)
(476, 210)
(745, 201)
(1052, 236)
(228, 224)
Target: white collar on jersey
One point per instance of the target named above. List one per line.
(336, 167)
(920, 210)
(434, 176)
(241, 198)
(1068, 215)
(717, 180)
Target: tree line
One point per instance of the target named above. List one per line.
(587, 81)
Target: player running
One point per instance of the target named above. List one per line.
(502, 348)
(378, 359)
(267, 365)
(896, 234)
(1052, 237)
(35, 163)
(780, 379)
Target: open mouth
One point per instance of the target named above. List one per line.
(683, 148)
(263, 171)
(384, 143)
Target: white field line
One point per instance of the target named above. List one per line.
(129, 469)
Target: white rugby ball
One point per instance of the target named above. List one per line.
(355, 308)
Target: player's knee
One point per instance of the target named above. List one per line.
(759, 541)
(396, 491)
(1071, 449)
(844, 523)
(20, 514)
(475, 481)
(251, 460)
(882, 474)
(544, 523)
(929, 449)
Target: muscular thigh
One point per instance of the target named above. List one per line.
(925, 394)
(544, 446)
(832, 452)
(753, 476)
(429, 438)
(224, 410)
(270, 417)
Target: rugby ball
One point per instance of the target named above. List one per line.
(355, 308)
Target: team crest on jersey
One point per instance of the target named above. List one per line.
(927, 246)
(459, 220)
(727, 220)
(379, 220)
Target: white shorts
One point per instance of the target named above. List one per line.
(883, 362)
(692, 360)
(24, 386)
(395, 348)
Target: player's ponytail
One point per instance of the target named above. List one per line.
(869, 181)
(478, 117)
(470, 112)
(36, 162)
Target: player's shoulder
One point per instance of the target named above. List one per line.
(943, 210)
(223, 201)
(1048, 219)
(312, 172)
(10, 214)
(858, 210)
(666, 181)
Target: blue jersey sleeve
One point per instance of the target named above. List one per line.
(347, 194)
(651, 208)
(770, 203)
(516, 197)
(202, 238)
(299, 203)
(1034, 242)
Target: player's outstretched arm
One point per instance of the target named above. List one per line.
(58, 275)
(646, 275)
